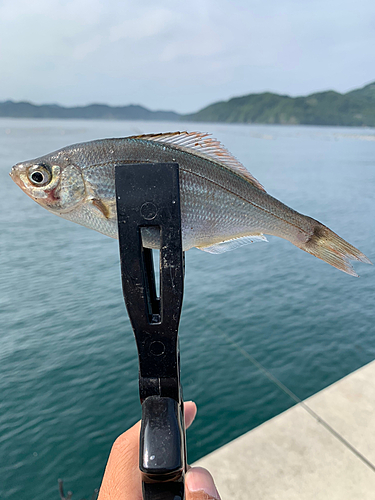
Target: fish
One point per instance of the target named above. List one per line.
(223, 206)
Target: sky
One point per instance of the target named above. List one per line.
(181, 56)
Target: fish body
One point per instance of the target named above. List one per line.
(222, 204)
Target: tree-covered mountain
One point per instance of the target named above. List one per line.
(93, 111)
(356, 108)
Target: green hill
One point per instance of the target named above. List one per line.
(356, 108)
(93, 111)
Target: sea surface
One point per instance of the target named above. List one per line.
(263, 313)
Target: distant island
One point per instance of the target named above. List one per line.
(13, 109)
(355, 108)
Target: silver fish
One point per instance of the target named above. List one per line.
(222, 205)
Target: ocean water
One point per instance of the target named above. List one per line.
(68, 362)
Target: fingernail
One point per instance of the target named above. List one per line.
(200, 480)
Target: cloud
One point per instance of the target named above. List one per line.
(144, 24)
(181, 56)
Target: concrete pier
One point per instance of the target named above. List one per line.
(321, 449)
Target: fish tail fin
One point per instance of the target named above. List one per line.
(328, 246)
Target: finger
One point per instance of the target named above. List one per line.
(200, 485)
(190, 410)
(122, 478)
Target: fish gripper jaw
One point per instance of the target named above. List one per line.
(148, 199)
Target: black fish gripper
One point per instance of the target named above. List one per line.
(148, 202)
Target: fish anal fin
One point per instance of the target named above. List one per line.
(227, 246)
(201, 144)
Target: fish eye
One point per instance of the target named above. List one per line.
(37, 177)
(40, 175)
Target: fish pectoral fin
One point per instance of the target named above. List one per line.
(227, 246)
(104, 208)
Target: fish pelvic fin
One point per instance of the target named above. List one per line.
(328, 246)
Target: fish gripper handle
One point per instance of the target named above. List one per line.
(148, 210)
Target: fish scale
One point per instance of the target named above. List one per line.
(222, 205)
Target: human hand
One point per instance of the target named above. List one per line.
(122, 477)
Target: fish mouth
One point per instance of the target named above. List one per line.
(15, 174)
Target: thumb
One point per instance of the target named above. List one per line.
(200, 485)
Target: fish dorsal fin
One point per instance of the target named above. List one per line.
(203, 145)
